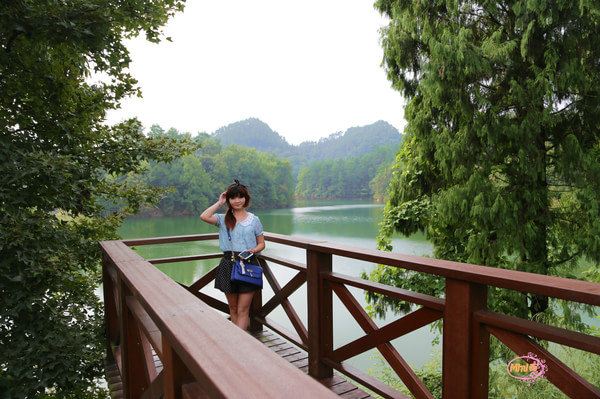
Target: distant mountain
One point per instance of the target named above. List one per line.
(252, 133)
(355, 141)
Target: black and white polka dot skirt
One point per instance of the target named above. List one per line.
(223, 277)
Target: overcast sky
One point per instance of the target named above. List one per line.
(307, 69)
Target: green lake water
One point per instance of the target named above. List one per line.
(344, 222)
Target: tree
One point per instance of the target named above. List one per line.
(57, 162)
(501, 163)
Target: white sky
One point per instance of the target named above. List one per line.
(307, 69)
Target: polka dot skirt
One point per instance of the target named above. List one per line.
(223, 278)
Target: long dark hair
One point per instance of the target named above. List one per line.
(235, 190)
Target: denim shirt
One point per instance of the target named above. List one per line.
(243, 235)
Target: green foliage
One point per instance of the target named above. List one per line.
(342, 178)
(57, 162)
(501, 384)
(380, 183)
(501, 162)
(193, 182)
(430, 374)
(354, 142)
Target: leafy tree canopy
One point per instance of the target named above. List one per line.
(55, 155)
(195, 180)
(345, 178)
(501, 164)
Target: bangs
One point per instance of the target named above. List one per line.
(237, 191)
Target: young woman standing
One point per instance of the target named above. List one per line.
(239, 230)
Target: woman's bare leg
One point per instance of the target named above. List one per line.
(243, 308)
(232, 300)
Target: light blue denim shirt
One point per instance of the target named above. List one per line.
(243, 235)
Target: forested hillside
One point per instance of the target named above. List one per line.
(355, 141)
(343, 178)
(253, 133)
(342, 165)
(195, 181)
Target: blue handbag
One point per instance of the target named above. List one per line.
(246, 272)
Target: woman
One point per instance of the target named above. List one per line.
(239, 230)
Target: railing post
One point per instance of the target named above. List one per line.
(111, 320)
(320, 313)
(255, 326)
(175, 372)
(133, 373)
(466, 342)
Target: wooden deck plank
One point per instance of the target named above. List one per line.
(343, 388)
(287, 352)
(298, 357)
(331, 381)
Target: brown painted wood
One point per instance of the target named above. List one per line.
(296, 357)
(320, 314)
(148, 327)
(156, 388)
(368, 381)
(392, 292)
(171, 239)
(285, 262)
(281, 293)
(356, 394)
(477, 339)
(410, 322)
(264, 336)
(204, 280)
(212, 302)
(135, 369)
(331, 381)
(255, 308)
(284, 332)
(176, 259)
(569, 289)
(298, 242)
(557, 287)
(559, 374)
(194, 391)
(203, 339)
(288, 352)
(275, 342)
(146, 349)
(465, 348)
(282, 346)
(111, 321)
(176, 374)
(281, 296)
(390, 354)
(343, 388)
(116, 354)
(300, 360)
(561, 336)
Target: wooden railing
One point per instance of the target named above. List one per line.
(467, 323)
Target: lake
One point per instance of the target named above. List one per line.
(353, 223)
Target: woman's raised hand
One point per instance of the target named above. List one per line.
(222, 198)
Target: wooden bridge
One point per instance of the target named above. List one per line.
(165, 340)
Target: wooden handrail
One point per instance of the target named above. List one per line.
(466, 328)
(556, 287)
(198, 342)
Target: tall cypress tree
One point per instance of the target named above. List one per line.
(501, 164)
